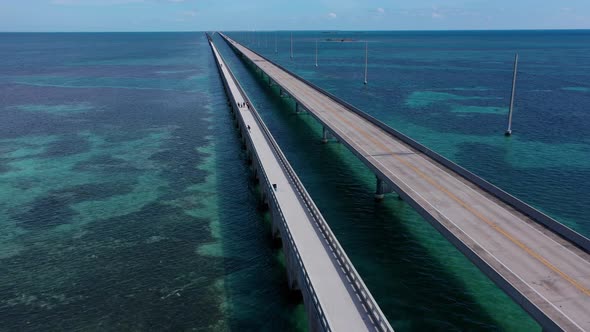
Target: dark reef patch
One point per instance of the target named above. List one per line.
(67, 145)
(144, 262)
(105, 163)
(46, 212)
(54, 209)
(4, 167)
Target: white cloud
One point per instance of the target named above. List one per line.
(93, 2)
(380, 10)
(65, 2)
(436, 13)
(191, 13)
(332, 15)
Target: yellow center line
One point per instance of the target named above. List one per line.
(495, 226)
(492, 224)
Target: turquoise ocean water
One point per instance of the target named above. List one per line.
(127, 203)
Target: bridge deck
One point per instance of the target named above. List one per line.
(544, 273)
(340, 303)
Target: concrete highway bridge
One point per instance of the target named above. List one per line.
(542, 264)
(334, 295)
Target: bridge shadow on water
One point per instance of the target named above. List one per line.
(418, 278)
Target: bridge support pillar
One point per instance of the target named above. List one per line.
(283, 94)
(297, 108)
(325, 135)
(380, 190)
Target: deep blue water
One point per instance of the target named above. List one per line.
(126, 202)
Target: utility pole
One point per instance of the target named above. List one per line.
(291, 45)
(316, 52)
(509, 130)
(366, 59)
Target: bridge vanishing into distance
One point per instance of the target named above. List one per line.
(334, 295)
(542, 264)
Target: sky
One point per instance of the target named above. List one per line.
(207, 15)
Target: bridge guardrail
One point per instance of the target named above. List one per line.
(519, 205)
(369, 303)
(304, 275)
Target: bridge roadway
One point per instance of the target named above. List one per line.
(333, 291)
(543, 272)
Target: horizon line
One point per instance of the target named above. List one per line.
(307, 30)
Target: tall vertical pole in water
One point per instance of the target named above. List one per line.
(316, 52)
(291, 45)
(509, 130)
(366, 59)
